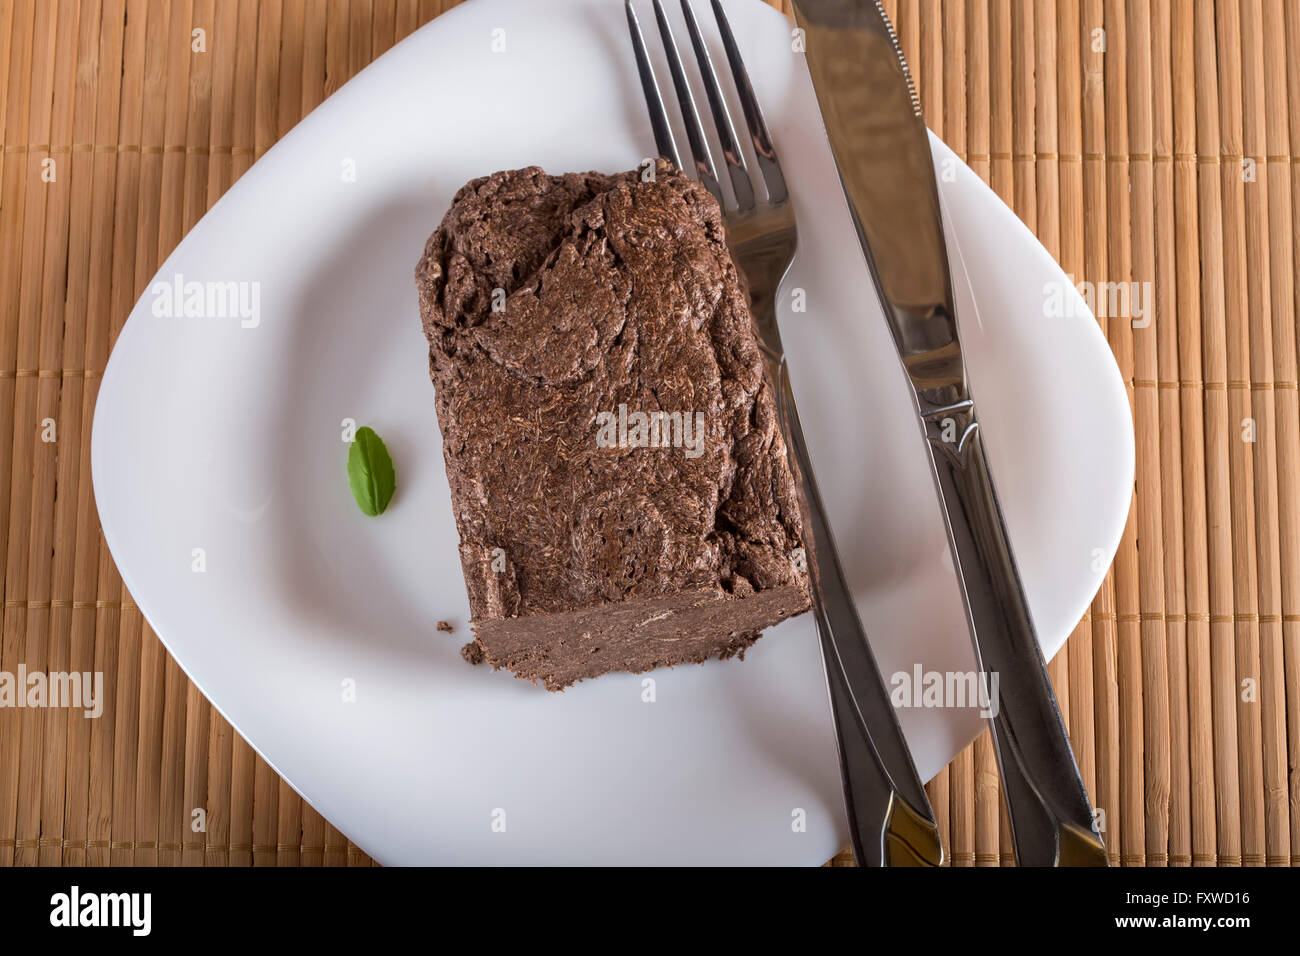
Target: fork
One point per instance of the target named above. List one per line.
(890, 819)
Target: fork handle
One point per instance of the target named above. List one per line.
(884, 831)
(890, 819)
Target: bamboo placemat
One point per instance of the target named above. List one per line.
(1144, 141)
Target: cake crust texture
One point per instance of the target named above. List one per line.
(617, 470)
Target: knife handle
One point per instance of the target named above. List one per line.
(1051, 817)
(891, 822)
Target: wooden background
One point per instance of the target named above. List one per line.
(1148, 141)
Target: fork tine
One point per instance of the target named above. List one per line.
(763, 149)
(654, 102)
(731, 153)
(704, 168)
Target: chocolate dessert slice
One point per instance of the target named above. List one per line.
(617, 472)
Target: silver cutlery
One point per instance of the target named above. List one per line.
(890, 819)
(881, 147)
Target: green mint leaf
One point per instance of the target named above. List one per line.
(370, 472)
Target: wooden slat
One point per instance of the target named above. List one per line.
(19, 780)
(117, 631)
(1219, 435)
(1282, 40)
(1092, 40)
(38, 776)
(91, 554)
(63, 790)
(1268, 708)
(1201, 760)
(1152, 650)
(1165, 316)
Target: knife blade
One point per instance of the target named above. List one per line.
(882, 151)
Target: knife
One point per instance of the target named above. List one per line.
(882, 150)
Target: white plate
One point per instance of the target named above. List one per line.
(214, 436)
